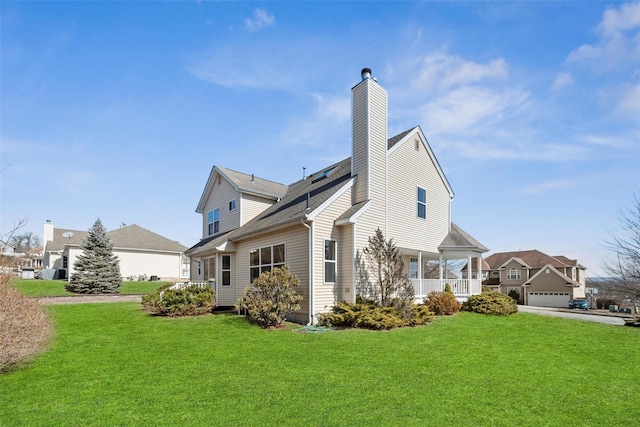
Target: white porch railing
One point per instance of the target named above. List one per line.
(182, 285)
(462, 288)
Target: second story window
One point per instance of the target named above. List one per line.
(422, 203)
(232, 205)
(213, 219)
(513, 274)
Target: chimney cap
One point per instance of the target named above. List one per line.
(365, 73)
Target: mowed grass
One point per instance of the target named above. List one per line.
(112, 364)
(54, 288)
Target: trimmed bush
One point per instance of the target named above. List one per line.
(495, 303)
(442, 303)
(188, 301)
(367, 314)
(271, 298)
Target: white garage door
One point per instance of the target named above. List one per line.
(549, 299)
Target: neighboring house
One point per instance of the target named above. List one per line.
(141, 252)
(13, 262)
(537, 278)
(319, 225)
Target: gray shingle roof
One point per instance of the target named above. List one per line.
(129, 237)
(460, 239)
(253, 184)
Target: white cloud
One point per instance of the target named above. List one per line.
(619, 42)
(260, 20)
(545, 187)
(444, 71)
(623, 19)
(561, 81)
(629, 101)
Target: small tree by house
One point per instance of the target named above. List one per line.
(97, 269)
(390, 282)
(272, 298)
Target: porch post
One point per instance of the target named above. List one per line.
(440, 267)
(420, 272)
(480, 271)
(470, 272)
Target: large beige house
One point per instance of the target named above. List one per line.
(141, 252)
(537, 278)
(319, 225)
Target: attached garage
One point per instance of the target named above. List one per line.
(549, 299)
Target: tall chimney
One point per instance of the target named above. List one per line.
(369, 140)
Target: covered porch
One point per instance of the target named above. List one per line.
(431, 271)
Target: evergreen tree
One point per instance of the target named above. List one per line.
(97, 269)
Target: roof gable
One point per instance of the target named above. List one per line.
(243, 183)
(395, 142)
(553, 270)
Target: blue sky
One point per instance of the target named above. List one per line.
(119, 110)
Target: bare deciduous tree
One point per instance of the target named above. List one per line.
(623, 267)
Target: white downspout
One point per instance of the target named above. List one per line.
(310, 270)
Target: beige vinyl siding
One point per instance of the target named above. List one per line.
(346, 264)
(325, 294)
(164, 265)
(360, 147)
(251, 206)
(226, 294)
(219, 197)
(409, 169)
(296, 241)
(370, 129)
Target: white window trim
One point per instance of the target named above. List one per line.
(271, 265)
(517, 274)
(222, 270)
(234, 205)
(418, 202)
(332, 261)
(417, 270)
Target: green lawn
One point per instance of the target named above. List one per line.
(112, 364)
(41, 288)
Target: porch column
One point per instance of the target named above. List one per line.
(421, 292)
(440, 268)
(480, 269)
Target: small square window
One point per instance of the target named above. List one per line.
(232, 205)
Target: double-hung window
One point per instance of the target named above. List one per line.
(226, 270)
(265, 259)
(213, 219)
(422, 203)
(513, 274)
(232, 205)
(330, 261)
(413, 268)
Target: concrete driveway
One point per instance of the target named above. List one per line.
(590, 316)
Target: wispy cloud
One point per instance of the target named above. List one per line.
(561, 81)
(259, 20)
(619, 41)
(546, 187)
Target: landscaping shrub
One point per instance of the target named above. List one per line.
(271, 298)
(442, 303)
(188, 301)
(515, 295)
(24, 327)
(367, 314)
(493, 302)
